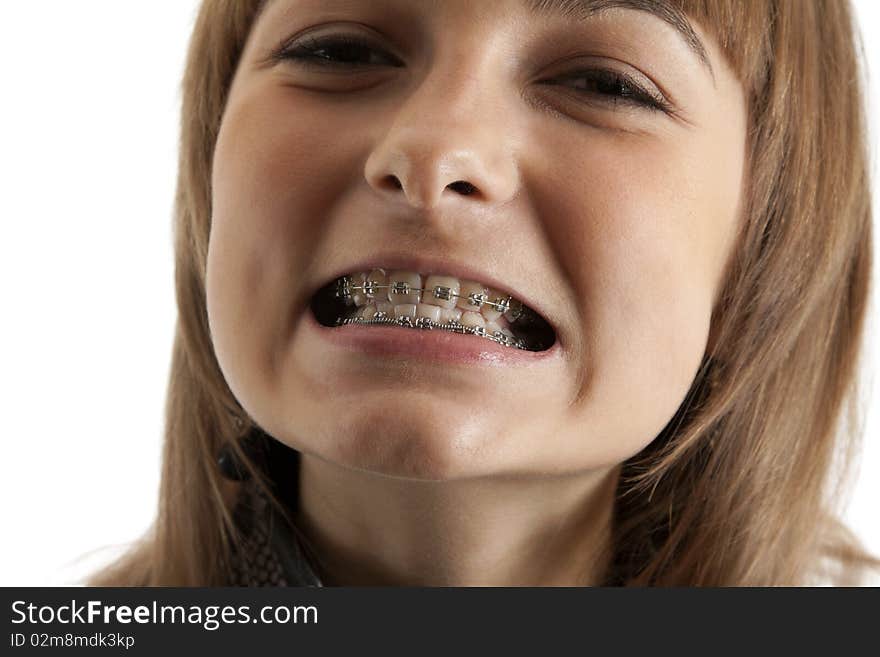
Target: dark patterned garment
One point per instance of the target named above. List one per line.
(272, 554)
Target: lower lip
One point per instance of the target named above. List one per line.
(429, 345)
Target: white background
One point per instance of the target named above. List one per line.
(88, 148)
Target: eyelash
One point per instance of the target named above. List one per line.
(628, 92)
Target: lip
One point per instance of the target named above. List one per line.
(440, 266)
(432, 346)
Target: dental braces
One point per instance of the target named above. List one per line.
(427, 323)
(346, 286)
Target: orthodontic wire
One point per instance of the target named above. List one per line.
(428, 324)
(369, 288)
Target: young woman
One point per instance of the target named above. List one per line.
(522, 292)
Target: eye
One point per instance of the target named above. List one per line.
(613, 88)
(338, 51)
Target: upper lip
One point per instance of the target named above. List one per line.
(428, 265)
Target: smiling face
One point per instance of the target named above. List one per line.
(592, 167)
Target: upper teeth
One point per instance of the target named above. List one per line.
(447, 292)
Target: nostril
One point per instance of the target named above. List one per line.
(462, 187)
(394, 182)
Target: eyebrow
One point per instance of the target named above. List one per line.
(662, 9)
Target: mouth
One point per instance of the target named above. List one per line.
(411, 300)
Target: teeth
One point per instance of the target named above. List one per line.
(429, 311)
(376, 279)
(441, 291)
(472, 319)
(359, 298)
(445, 302)
(471, 296)
(493, 312)
(450, 314)
(404, 287)
(444, 292)
(516, 309)
(492, 328)
(405, 310)
(421, 316)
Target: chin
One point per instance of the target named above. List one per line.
(411, 445)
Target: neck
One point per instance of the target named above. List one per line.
(372, 530)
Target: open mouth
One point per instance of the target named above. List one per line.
(432, 302)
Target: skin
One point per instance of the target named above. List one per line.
(620, 218)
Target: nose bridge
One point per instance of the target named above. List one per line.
(447, 137)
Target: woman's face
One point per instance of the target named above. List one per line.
(605, 161)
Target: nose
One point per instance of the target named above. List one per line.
(445, 141)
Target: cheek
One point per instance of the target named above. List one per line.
(271, 182)
(657, 255)
(274, 178)
(648, 325)
(647, 233)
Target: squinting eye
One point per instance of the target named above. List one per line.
(611, 87)
(339, 51)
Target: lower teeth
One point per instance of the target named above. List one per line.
(426, 323)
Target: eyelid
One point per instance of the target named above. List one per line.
(611, 64)
(299, 48)
(639, 95)
(304, 41)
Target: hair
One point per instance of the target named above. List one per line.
(744, 486)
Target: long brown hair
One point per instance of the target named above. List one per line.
(743, 486)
